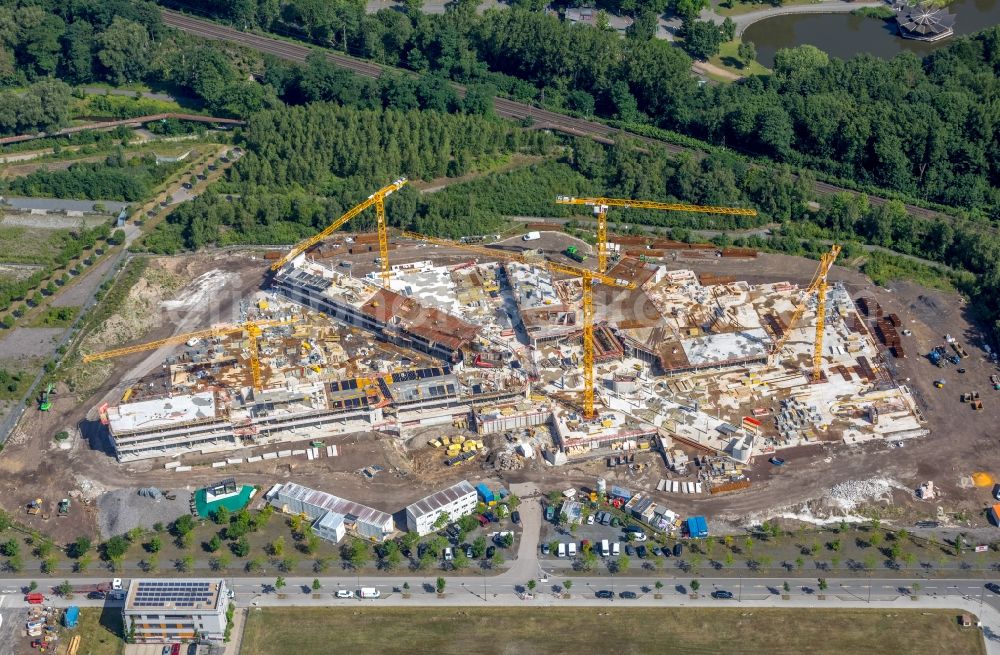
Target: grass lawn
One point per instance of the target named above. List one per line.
(54, 317)
(24, 245)
(549, 631)
(99, 631)
(727, 59)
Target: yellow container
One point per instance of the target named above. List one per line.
(445, 440)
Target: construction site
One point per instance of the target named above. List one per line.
(626, 354)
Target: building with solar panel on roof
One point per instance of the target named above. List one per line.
(170, 611)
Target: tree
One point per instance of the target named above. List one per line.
(460, 560)
(695, 585)
(241, 548)
(531, 584)
(316, 584)
(277, 547)
(746, 52)
(440, 584)
(214, 544)
(568, 585)
(622, 564)
(479, 546)
(221, 562)
(702, 39)
(822, 584)
(115, 548)
(65, 589)
(279, 583)
(658, 585)
(220, 516)
(442, 520)
(183, 525)
(80, 547)
(10, 548)
(728, 29)
(787, 587)
(497, 560)
(154, 544)
(800, 60)
(185, 563)
(124, 50)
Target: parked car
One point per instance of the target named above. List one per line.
(628, 595)
(656, 551)
(604, 593)
(545, 548)
(490, 550)
(641, 552)
(616, 549)
(678, 549)
(615, 522)
(605, 518)
(994, 587)
(722, 594)
(345, 593)
(633, 528)
(550, 513)
(449, 554)
(515, 516)
(640, 536)
(629, 550)
(468, 551)
(590, 520)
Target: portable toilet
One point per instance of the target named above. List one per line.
(72, 616)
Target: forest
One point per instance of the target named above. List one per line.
(926, 128)
(115, 178)
(305, 165)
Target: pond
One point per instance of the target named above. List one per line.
(844, 35)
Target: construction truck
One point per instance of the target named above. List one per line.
(574, 253)
(35, 506)
(63, 507)
(45, 404)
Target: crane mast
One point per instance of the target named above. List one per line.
(377, 200)
(588, 278)
(601, 206)
(253, 328)
(818, 285)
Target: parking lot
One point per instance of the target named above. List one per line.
(624, 537)
(479, 541)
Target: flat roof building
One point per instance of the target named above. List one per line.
(366, 522)
(168, 611)
(457, 500)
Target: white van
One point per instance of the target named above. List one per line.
(370, 592)
(531, 236)
(562, 549)
(605, 548)
(616, 549)
(572, 549)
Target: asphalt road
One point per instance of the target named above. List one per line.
(961, 595)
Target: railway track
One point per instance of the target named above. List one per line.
(505, 108)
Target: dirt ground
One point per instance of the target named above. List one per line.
(33, 466)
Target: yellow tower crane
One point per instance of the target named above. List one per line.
(377, 199)
(253, 328)
(588, 279)
(817, 286)
(601, 206)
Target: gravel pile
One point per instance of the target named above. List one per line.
(123, 509)
(849, 494)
